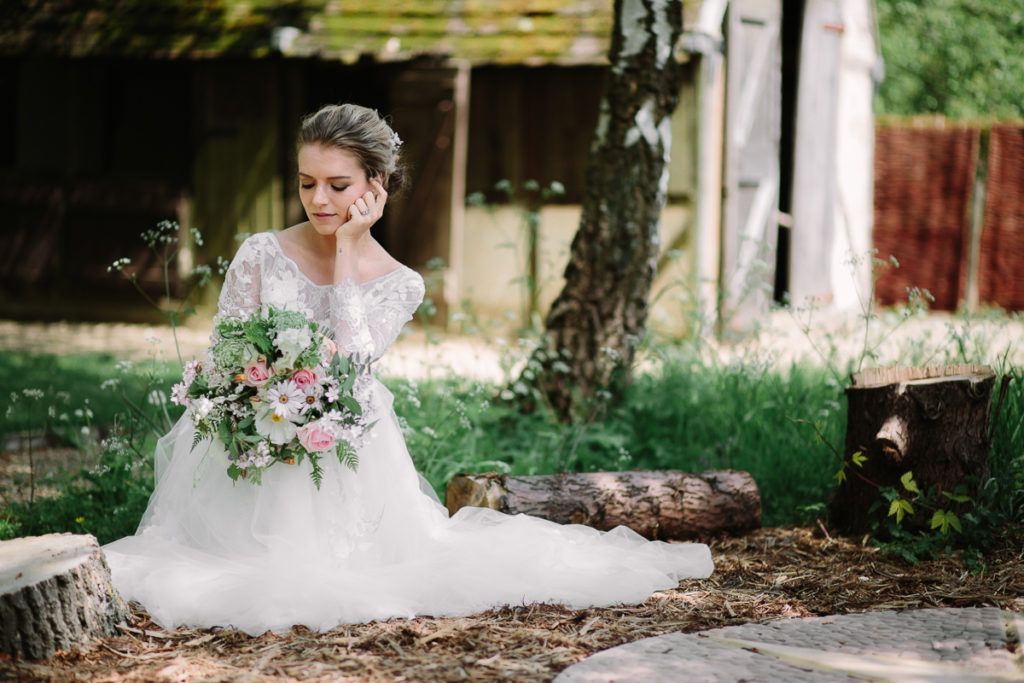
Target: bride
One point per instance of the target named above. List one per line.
(375, 542)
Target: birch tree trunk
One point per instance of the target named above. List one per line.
(596, 321)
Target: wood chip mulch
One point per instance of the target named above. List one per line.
(769, 574)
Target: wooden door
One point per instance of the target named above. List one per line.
(750, 184)
(430, 112)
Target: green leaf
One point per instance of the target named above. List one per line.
(900, 508)
(840, 476)
(956, 497)
(858, 458)
(233, 472)
(908, 482)
(351, 404)
(944, 519)
(224, 432)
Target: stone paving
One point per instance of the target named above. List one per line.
(951, 645)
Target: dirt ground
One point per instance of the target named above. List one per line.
(769, 574)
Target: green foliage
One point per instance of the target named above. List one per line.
(690, 414)
(106, 500)
(957, 58)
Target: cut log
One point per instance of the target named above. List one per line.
(55, 594)
(664, 504)
(932, 421)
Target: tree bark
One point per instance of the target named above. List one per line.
(595, 323)
(55, 594)
(665, 504)
(932, 421)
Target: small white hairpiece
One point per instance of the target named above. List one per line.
(396, 141)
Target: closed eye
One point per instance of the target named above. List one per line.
(309, 186)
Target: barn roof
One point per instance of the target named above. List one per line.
(479, 31)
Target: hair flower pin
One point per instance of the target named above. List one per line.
(396, 141)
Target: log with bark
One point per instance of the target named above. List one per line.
(932, 421)
(664, 504)
(55, 594)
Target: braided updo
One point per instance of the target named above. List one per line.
(361, 132)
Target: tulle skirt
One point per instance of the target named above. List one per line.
(374, 543)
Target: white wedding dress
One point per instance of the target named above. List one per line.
(370, 544)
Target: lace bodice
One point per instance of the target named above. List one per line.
(366, 317)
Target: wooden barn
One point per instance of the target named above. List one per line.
(123, 117)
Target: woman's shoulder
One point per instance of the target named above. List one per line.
(255, 246)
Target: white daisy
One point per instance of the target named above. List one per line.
(286, 399)
(278, 429)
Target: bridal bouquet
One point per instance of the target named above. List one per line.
(275, 389)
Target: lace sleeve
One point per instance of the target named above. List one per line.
(366, 323)
(240, 295)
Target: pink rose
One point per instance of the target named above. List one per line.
(315, 436)
(328, 348)
(256, 375)
(304, 378)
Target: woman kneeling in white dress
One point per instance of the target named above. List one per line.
(372, 542)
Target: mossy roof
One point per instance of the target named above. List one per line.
(479, 31)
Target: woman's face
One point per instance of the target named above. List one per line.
(330, 179)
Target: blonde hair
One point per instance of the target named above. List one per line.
(361, 132)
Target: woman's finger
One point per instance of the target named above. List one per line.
(382, 194)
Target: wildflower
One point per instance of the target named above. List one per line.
(275, 427)
(191, 370)
(119, 265)
(203, 406)
(286, 399)
(292, 342)
(179, 394)
(332, 392)
(310, 399)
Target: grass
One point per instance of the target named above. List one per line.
(81, 376)
(687, 411)
(687, 415)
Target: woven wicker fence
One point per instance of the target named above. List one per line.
(923, 184)
(924, 195)
(1001, 262)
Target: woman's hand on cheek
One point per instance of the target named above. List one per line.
(364, 212)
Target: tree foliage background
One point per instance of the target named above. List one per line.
(959, 58)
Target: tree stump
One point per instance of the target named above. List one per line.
(55, 594)
(663, 505)
(932, 421)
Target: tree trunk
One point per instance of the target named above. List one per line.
(594, 324)
(55, 594)
(665, 505)
(933, 422)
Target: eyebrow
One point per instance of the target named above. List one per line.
(333, 177)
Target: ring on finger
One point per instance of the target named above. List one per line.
(365, 212)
